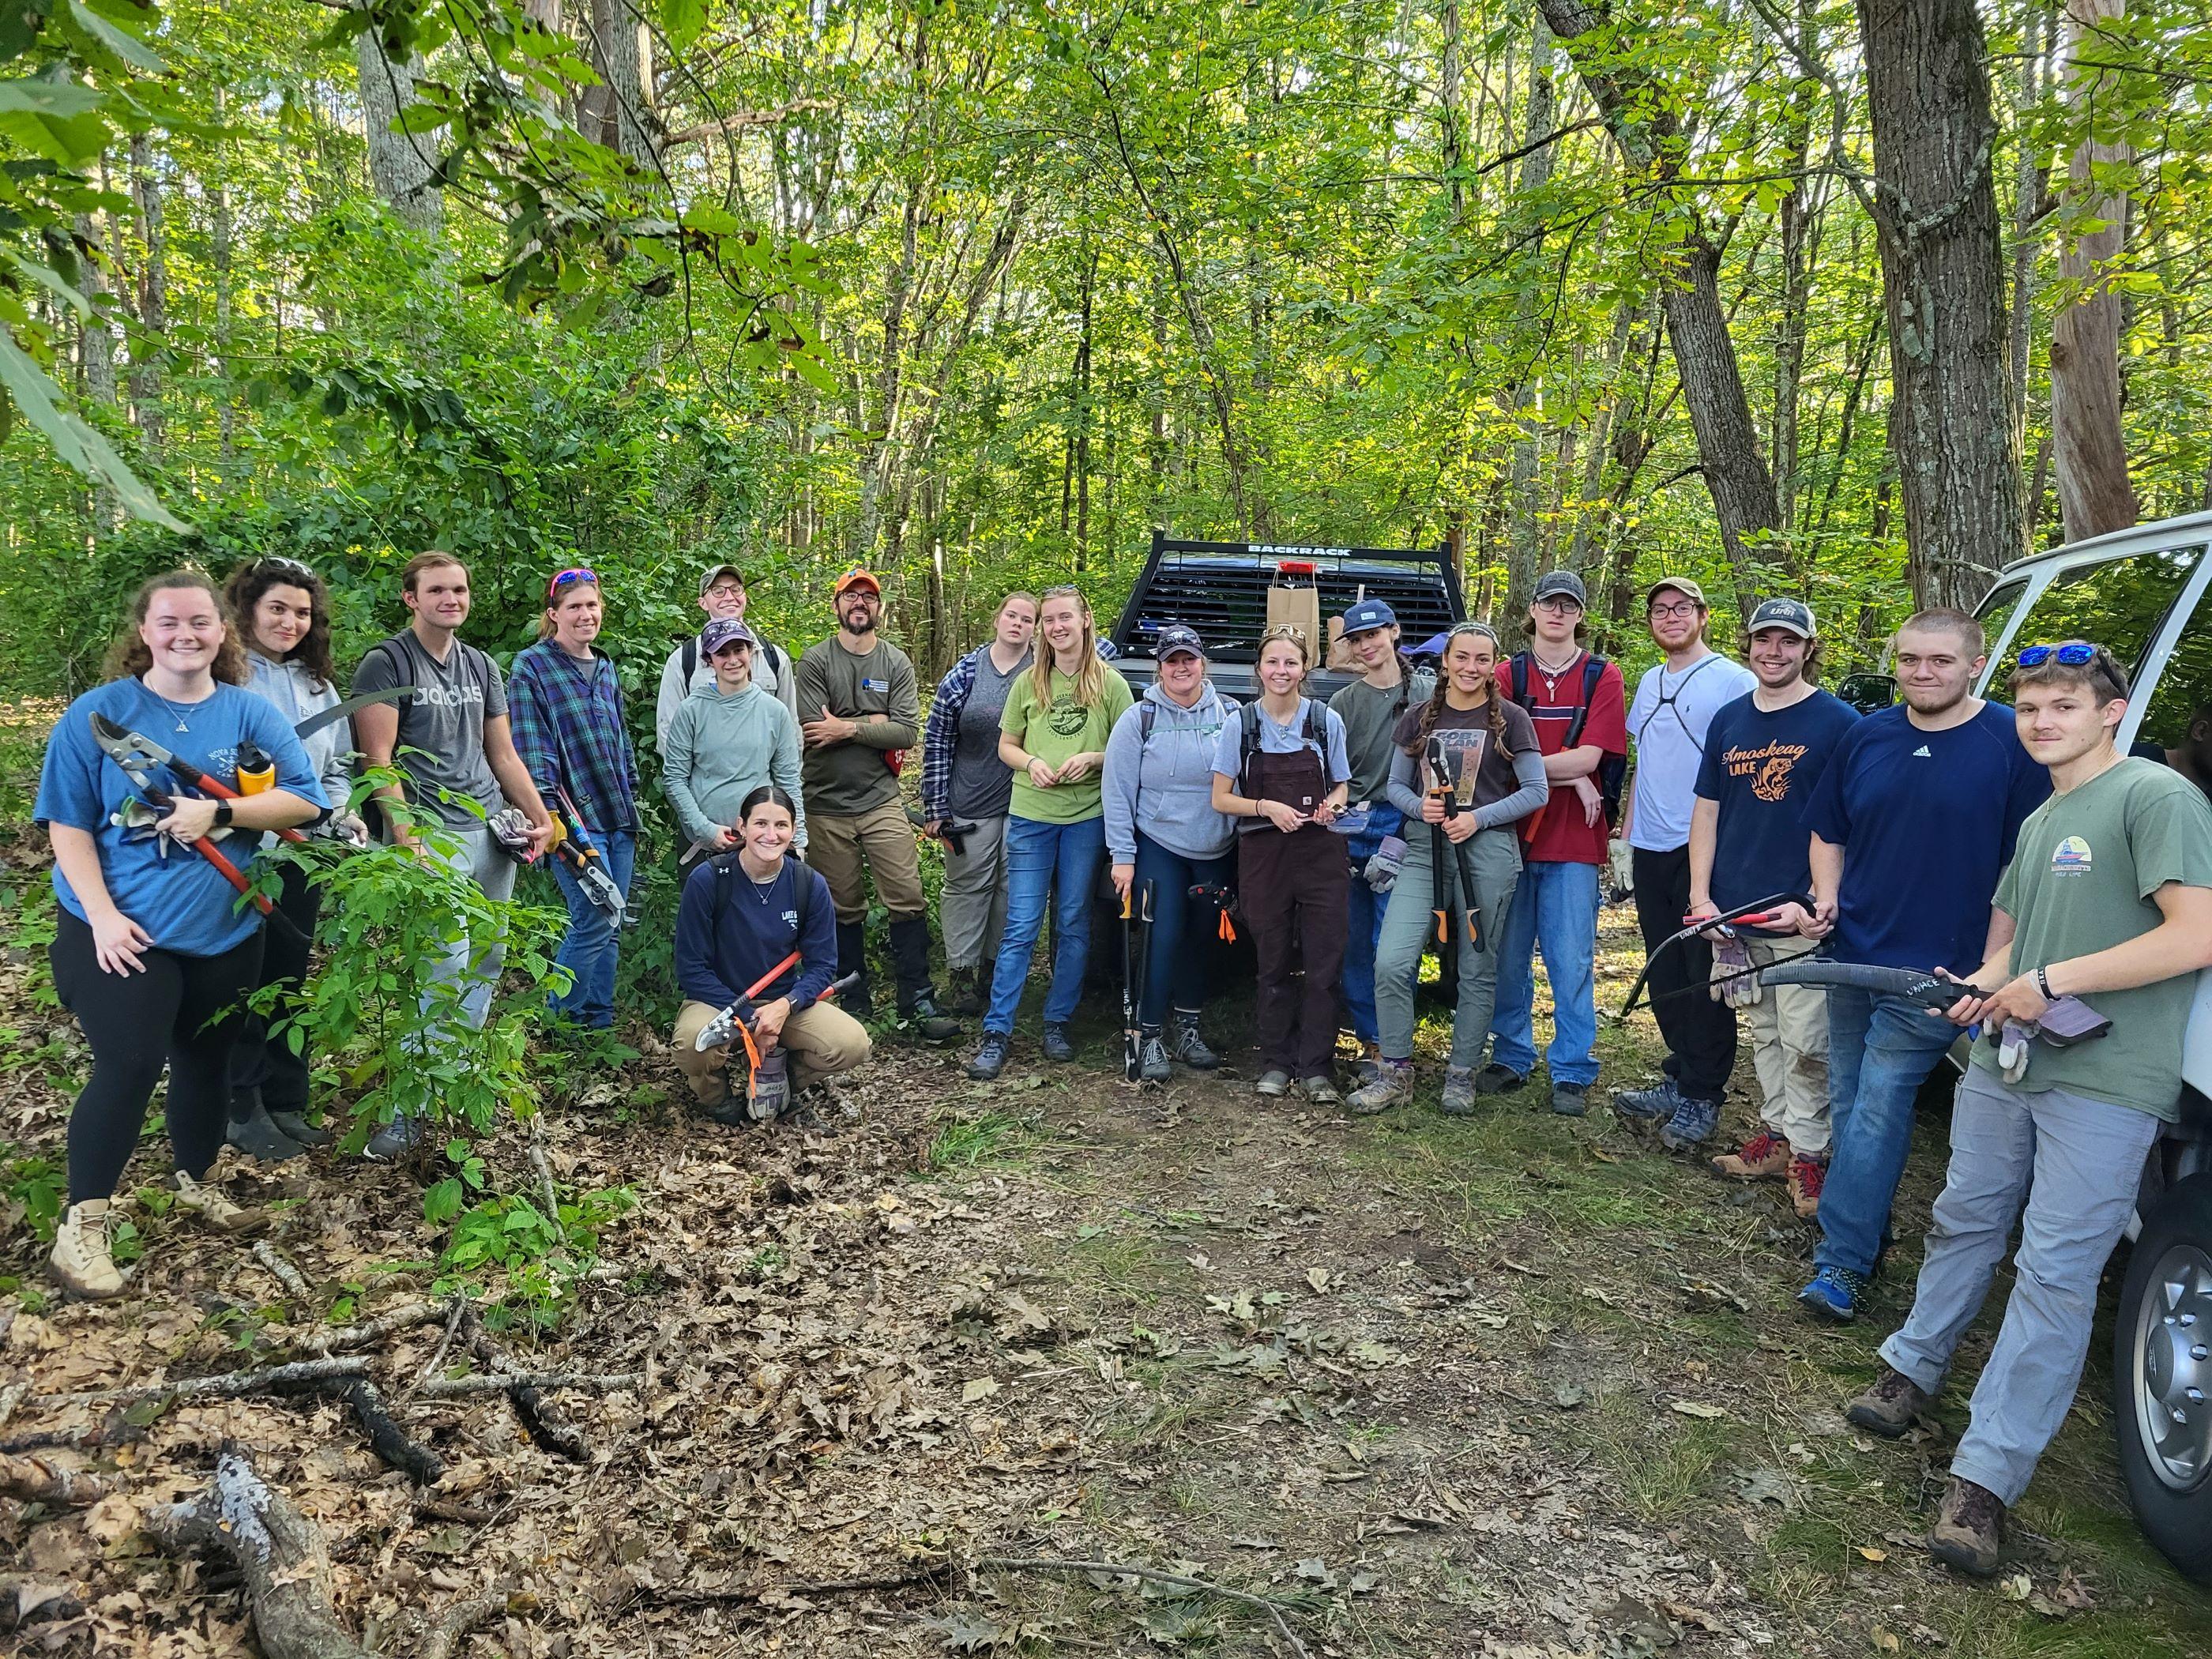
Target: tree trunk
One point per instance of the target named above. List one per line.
(152, 300)
(219, 256)
(2094, 493)
(617, 53)
(1944, 285)
(398, 163)
(1524, 530)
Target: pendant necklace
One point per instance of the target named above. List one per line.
(175, 713)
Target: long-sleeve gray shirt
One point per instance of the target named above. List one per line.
(1476, 771)
(1165, 787)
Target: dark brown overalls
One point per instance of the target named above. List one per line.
(1292, 890)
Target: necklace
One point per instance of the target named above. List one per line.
(1551, 675)
(175, 713)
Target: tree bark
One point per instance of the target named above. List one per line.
(1944, 285)
(2094, 493)
(152, 300)
(623, 116)
(1524, 529)
(399, 163)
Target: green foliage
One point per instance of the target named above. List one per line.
(31, 1188)
(536, 1259)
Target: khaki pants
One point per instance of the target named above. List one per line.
(882, 841)
(972, 906)
(822, 1041)
(1787, 1031)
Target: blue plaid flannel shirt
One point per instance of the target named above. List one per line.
(568, 728)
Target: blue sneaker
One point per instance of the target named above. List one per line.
(1691, 1125)
(1833, 1293)
(1657, 1103)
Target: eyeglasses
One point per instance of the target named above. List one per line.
(1285, 631)
(726, 590)
(578, 574)
(2072, 653)
(1560, 605)
(1683, 608)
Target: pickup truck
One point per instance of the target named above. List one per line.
(2146, 595)
(1220, 588)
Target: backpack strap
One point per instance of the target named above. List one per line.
(1247, 745)
(1519, 672)
(1592, 671)
(690, 661)
(1147, 711)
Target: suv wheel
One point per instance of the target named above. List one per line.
(2162, 1377)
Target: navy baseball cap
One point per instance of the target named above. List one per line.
(1560, 584)
(1174, 639)
(1367, 615)
(1793, 614)
(721, 632)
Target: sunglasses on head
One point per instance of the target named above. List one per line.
(1284, 631)
(278, 562)
(577, 574)
(2072, 653)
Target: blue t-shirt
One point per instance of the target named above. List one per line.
(182, 901)
(1759, 768)
(1926, 820)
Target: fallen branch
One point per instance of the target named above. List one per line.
(224, 1385)
(684, 1595)
(278, 1553)
(402, 1318)
(545, 1426)
(283, 1271)
(12, 1396)
(386, 1438)
(458, 1388)
(1205, 1587)
(447, 1635)
(35, 1480)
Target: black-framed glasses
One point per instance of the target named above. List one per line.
(575, 574)
(2072, 653)
(1560, 605)
(1681, 608)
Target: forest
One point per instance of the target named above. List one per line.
(1852, 304)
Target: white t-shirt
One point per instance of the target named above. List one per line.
(1667, 726)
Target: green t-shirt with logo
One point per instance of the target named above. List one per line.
(2080, 882)
(1054, 734)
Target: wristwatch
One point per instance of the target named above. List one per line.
(222, 815)
(2043, 984)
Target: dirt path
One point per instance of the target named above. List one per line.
(1509, 1386)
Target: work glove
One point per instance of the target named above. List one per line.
(1620, 864)
(510, 828)
(1732, 956)
(1382, 866)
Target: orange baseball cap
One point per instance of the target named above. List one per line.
(857, 577)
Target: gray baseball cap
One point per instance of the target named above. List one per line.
(714, 573)
(1560, 584)
(721, 631)
(1177, 639)
(1795, 614)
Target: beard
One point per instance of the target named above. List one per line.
(859, 620)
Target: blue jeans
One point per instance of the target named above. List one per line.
(1039, 858)
(1555, 911)
(593, 946)
(1174, 976)
(1881, 1050)
(1366, 911)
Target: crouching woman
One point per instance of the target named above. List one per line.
(757, 925)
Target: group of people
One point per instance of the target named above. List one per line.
(1471, 806)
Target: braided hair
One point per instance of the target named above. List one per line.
(1434, 707)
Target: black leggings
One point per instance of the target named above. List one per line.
(137, 1023)
(261, 1060)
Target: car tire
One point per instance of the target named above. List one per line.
(2161, 1351)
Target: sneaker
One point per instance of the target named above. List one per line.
(295, 1125)
(1765, 1156)
(1369, 1066)
(210, 1204)
(1833, 1293)
(1888, 1408)
(1806, 1175)
(1321, 1090)
(1275, 1083)
(1495, 1079)
(1187, 1046)
(82, 1262)
(1056, 1046)
(395, 1140)
(1569, 1100)
(1393, 1082)
(1153, 1065)
(928, 1024)
(1692, 1125)
(258, 1137)
(1969, 1529)
(1458, 1097)
(990, 1058)
(966, 992)
(1658, 1101)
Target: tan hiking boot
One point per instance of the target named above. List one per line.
(1969, 1529)
(1806, 1176)
(83, 1264)
(1889, 1408)
(210, 1204)
(1763, 1157)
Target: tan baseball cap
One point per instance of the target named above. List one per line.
(1682, 585)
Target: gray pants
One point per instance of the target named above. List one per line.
(2075, 1162)
(972, 911)
(488, 864)
(1493, 856)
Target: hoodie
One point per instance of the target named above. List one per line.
(297, 694)
(720, 749)
(1165, 788)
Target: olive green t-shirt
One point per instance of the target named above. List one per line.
(1054, 734)
(2081, 881)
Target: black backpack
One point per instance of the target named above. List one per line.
(1613, 769)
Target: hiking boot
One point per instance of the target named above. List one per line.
(1834, 1294)
(1658, 1103)
(1969, 1529)
(1187, 1046)
(1763, 1157)
(1369, 1066)
(1321, 1090)
(295, 1125)
(210, 1204)
(1393, 1082)
(917, 998)
(1458, 1097)
(857, 1000)
(1153, 1065)
(251, 1132)
(921, 1013)
(1806, 1176)
(1569, 1100)
(1056, 1046)
(990, 1058)
(1275, 1083)
(395, 1140)
(83, 1263)
(1888, 1408)
(965, 992)
(1692, 1125)
(732, 1111)
(1495, 1079)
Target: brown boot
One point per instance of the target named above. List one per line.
(1969, 1529)
(1806, 1176)
(81, 1263)
(1888, 1408)
(210, 1204)
(1763, 1157)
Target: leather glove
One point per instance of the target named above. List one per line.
(1731, 957)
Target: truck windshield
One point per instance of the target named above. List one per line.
(2118, 604)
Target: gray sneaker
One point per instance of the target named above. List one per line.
(1275, 1083)
(395, 1140)
(1458, 1097)
(1692, 1125)
(1655, 1104)
(1153, 1065)
(1393, 1082)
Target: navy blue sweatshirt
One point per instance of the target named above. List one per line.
(759, 927)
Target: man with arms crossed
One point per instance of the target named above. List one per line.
(2109, 899)
(1911, 825)
(1763, 755)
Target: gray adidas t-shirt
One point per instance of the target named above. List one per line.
(982, 783)
(444, 719)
